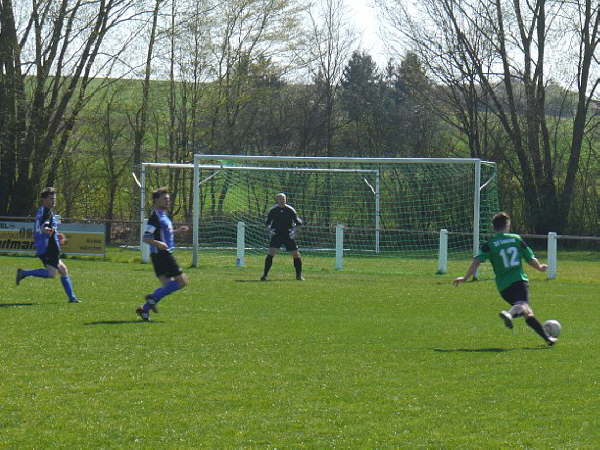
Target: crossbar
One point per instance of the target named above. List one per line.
(278, 169)
(344, 159)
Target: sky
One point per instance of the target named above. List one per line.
(364, 16)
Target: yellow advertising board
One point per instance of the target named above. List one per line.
(16, 237)
(83, 243)
(82, 239)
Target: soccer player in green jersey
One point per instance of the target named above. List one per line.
(505, 251)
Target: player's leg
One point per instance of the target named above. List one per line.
(514, 295)
(297, 264)
(66, 282)
(40, 273)
(291, 246)
(144, 310)
(45, 272)
(536, 326)
(170, 284)
(172, 279)
(518, 309)
(269, 261)
(153, 299)
(518, 296)
(182, 280)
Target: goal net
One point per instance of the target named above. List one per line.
(383, 206)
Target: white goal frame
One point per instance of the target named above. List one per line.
(200, 158)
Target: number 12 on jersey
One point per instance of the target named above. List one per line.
(510, 257)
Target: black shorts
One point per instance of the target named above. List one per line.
(281, 239)
(165, 265)
(51, 257)
(518, 292)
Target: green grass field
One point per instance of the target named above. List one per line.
(382, 354)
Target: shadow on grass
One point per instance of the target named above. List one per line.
(485, 350)
(284, 280)
(6, 305)
(123, 322)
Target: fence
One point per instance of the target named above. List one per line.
(125, 233)
(591, 243)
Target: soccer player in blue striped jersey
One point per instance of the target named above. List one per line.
(47, 241)
(160, 235)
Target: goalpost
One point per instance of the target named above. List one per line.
(351, 206)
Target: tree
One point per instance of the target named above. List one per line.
(494, 54)
(327, 49)
(140, 121)
(361, 99)
(47, 65)
(413, 100)
(115, 162)
(389, 114)
(246, 33)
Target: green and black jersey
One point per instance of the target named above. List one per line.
(505, 251)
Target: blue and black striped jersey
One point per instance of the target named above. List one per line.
(44, 219)
(160, 228)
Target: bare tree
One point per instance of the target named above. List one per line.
(47, 64)
(140, 121)
(246, 32)
(190, 50)
(494, 54)
(328, 48)
(112, 133)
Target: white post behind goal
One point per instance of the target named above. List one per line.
(240, 261)
(339, 247)
(443, 252)
(552, 257)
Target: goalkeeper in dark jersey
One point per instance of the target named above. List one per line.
(281, 222)
(505, 251)
(47, 241)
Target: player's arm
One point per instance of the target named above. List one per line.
(527, 253)
(269, 222)
(182, 229)
(46, 222)
(158, 244)
(296, 220)
(533, 262)
(149, 237)
(471, 271)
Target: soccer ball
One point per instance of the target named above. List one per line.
(552, 327)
